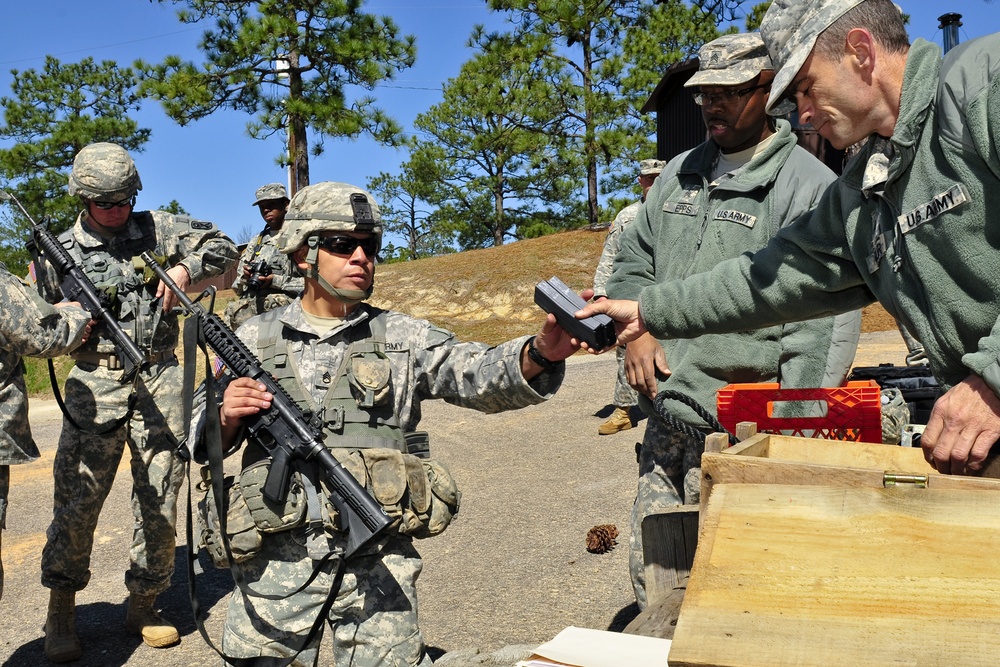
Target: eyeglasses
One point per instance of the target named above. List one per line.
(107, 205)
(726, 96)
(346, 245)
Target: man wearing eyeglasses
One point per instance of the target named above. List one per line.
(363, 373)
(907, 224)
(105, 410)
(725, 197)
(267, 278)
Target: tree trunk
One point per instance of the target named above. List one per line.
(590, 133)
(298, 140)
(498, 223)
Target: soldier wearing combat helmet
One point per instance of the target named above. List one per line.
(363, 372)
(104, 412)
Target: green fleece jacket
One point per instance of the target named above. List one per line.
(920, 242)
(688, 226)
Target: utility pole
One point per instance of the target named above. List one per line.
(950, 23)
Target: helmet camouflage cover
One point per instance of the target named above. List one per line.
(104, 172)
(328, 207)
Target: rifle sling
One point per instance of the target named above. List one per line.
(194, 336)
(121, 421)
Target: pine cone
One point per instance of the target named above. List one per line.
(601, 539)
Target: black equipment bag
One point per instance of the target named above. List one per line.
(918, 385)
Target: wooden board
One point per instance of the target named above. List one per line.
(776, 459)
(804, 576)
(669, 540)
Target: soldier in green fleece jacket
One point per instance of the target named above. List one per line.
(725, 197)
(905, 224)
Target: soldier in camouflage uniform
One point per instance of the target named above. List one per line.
(725, 197)
(28, 326)
(367, 371)
(256, 291)
(104, 412)
(625, 396)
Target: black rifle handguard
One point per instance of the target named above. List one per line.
(75, 286)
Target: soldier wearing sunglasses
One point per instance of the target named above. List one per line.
(105, 411)
(363, 372)
(726, 197)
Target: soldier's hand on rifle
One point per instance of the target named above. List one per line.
(242, 398)
(180, 276)
(644, 362)
(86, 329)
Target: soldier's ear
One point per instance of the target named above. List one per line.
(299, 257)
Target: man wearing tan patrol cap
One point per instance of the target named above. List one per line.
(724, 198)
(266, 279)
(905, 224)
(625, 397)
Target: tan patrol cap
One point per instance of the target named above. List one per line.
(790, 29)
(730, 60)
(270, 191)
(651, 167)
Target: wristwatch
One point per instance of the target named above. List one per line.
(537, 357)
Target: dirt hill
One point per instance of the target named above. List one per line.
(487, 295)
(483, 295)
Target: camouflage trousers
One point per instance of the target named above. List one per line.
(669, 475)
(374, 616)
(625, 395)
(85, 466)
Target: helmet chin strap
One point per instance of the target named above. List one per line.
(350, 297)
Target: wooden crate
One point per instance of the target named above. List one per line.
(778, 459)
(814, 576)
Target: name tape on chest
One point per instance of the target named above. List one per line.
(680, 208)
(949, 200)
(739, 217)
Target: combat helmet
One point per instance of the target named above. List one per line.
(104, 172)
(328, 207)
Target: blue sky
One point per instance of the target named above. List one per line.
(211, 166)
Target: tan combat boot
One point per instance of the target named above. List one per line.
(618, 421)
(61, 642)
(142, 619)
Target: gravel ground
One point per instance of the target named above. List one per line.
(510, 572)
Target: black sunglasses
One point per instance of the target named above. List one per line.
(108, 205)
(727, 96)
(346, 245)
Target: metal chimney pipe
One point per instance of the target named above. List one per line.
(950, 23)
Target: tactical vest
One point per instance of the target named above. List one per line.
(358, 409)
(118, 272)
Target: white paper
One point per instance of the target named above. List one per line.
(582, 647)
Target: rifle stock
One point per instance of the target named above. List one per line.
(284, 430)
(76, 286)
